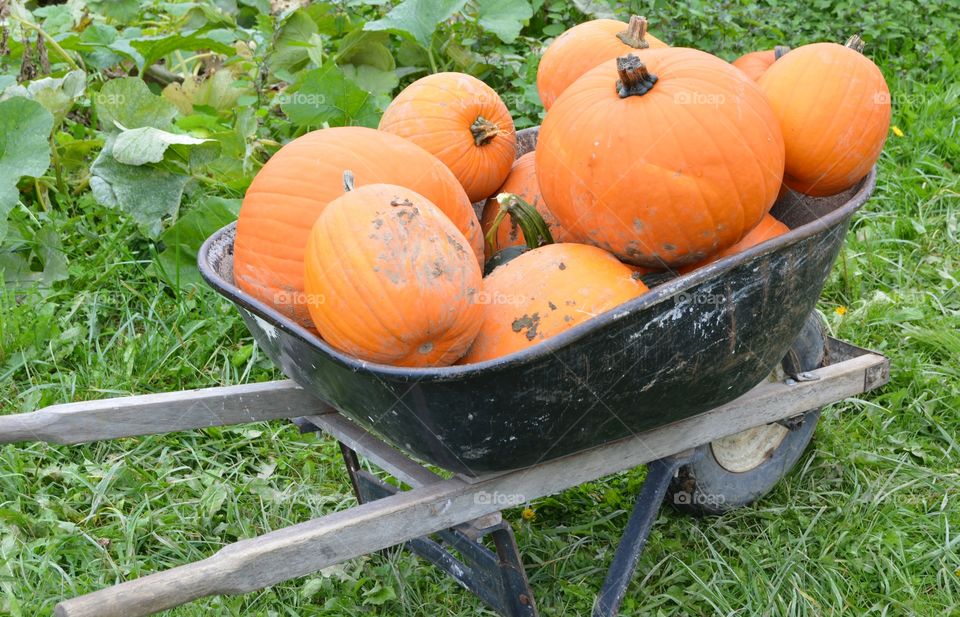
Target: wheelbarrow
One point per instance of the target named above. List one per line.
(714, 380)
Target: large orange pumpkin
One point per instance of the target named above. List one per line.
(390, 279)
(661, 167)
(291, 190)
(586, 45)
(463, 122)
(755, 63)
(834, 109)
(768, 229)
(546, 291)
(521, 182)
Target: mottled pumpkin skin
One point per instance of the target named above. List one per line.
(755, 63)
(578, 50)
(436, 113)
(546, 291)
(389, 279)
(834, 109)
(768, 229)
(667, 178)
(292, 189)
(522, 182)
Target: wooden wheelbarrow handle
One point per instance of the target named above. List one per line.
(151, 414)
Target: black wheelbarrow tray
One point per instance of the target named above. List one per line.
(714, 380)
(687, 346)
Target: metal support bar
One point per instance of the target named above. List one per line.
(498, 579)
(634, 538)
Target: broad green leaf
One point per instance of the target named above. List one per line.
(146, 193)
(152, 48)
(147, 145)
(95, 43)
(326, 95)
(417, 19)
(598, 9)
(292, 40)
(379, 595)
(364, 47)
(56, 94)
(123, 11)
(129, 102)
(220, 92)
(505, 18)
(177, 263)
(50, 251)
(24, 149)
(371, 79)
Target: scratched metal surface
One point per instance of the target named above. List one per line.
(690, 344)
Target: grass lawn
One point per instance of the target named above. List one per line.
(867, 523)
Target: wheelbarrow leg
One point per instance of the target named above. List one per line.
(634, 539)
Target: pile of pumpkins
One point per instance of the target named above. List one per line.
(649, 158)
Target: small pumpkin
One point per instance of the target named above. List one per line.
(389, 279)
(463, 122)
(586, 45)
(292, 189)
(768, 229)
(521, 182)
(663, 161)
(755, 63)
(546, 291)
(833, 106)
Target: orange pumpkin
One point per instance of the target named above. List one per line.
(768, 229)
(661, 167)
(522, 182)
(834, 109)
(755, 63)
(546, 291)
(463, 122)
(390, 279)
(290, 191)
(583, 47)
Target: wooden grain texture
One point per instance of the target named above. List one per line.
(295, 551)
(150, 414)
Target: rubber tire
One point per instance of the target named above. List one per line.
(705, 488)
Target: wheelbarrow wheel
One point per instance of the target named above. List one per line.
(740, 469)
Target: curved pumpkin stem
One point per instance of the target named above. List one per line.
(483, 131)
(348, 181)
(534, 228)
(635, 33)
(780, 51)
(855, 43)
(635, 79)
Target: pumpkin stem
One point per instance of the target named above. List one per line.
(855, 43)
(635, 79)
(780, 51)
(483, 131)
(348, 181)
(534, 228)
(635, 33)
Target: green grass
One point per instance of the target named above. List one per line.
(867, 523)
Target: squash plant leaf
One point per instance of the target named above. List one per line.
(177, 263)
(417, 19)
(505, 18)
(128, 102)
(326, 95)
(147, 193)
(148, 145)
(152, 48)
(24, 148)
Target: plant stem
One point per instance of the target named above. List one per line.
(635, 33)
(635, 79)
(51, 42)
